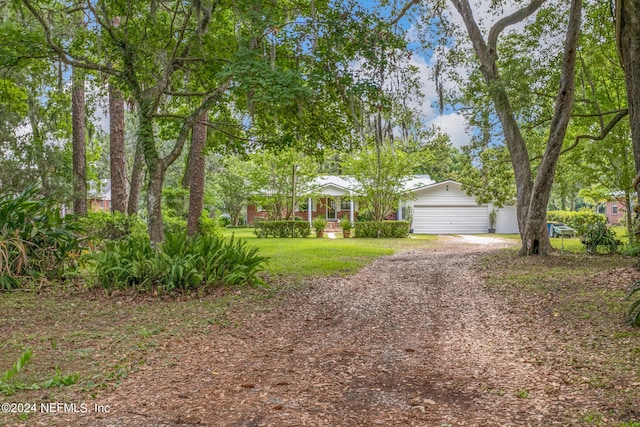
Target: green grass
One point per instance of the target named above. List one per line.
(573, 244)
(323, 257)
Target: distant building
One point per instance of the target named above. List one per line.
(98, 198)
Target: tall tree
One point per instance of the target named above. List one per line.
(231, 186)
(117, 152)
(79, 143)
(533, 185)
(196, 171)
(286, 73)
(270, 176)
(380, 173)
(627, 22)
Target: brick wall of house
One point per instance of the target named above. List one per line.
(615, 211)
(320, 211)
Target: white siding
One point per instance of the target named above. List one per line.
(333, 191)
(450, 219)
(507, 220)
(445, 209)
(446, 194)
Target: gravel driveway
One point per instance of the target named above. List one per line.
(414, 339)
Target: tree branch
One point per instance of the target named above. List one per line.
(603, 133)
(66, 57)
(514, 18)
(193, 118)
(404, 11)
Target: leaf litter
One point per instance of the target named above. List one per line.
(414, 339)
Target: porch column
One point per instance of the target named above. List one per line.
(309, 207)
(351, 216)
(399, 211)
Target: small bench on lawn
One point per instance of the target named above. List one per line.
(561, 230)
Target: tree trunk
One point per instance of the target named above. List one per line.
(154, 203)
(117, 151)
(79, 149)
(629, 216)
(532, 197)
(137, 179)
(155, 170)
(628, 41)
(535, 235)
(196, 173)
(38, 143)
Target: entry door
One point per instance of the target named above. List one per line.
(331, 209)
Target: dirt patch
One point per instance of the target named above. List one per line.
(414, 339)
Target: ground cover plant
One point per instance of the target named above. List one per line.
(180, 263)
(35, 241)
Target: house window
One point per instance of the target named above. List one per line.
(304, 205)
(345, 205)
(614, 208)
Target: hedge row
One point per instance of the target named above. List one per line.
(376, 229)
(581, 221)
(281, 229)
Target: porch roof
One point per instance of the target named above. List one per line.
(336, 186)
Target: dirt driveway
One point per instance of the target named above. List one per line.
(412, 340)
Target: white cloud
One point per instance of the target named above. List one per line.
(455, 126)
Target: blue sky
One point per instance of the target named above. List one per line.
(450, 122)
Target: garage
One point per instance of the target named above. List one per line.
(445, 208)
(450, 219)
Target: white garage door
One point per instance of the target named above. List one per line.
(450, 219)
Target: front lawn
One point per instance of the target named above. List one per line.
(322, 257)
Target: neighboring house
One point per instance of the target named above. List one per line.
(614, 210)
(436, 208)
(99, 195)
(98, 198)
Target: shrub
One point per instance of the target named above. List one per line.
(580, 221)
(224, 220)
(208, 225)
(172, 223)
(599, 235)
(180, 263)
(106, 226)
(34, 239)
(281, 229)
(396, 229)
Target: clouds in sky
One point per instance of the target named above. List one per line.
(486, 15)
(451, 123)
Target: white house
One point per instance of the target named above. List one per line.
(436, 208)
(444, 208)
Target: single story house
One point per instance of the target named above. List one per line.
(435, 208)
(444, 208)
